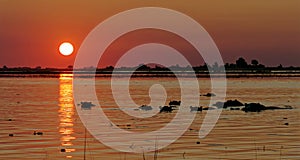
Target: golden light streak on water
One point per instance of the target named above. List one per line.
(66, 113)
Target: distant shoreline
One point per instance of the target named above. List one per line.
(239, 69)
(199, 74)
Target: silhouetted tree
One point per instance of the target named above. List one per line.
(205, 66)
(226, 65)
(4, 67)
(143, 67)
(241, 63)
(261, 66)
(110, 68)
(215, 66)
(188, 67)
(254, 62)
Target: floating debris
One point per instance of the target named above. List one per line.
(11, 135)
(62, 150)
(198, 142)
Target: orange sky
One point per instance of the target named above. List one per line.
(31, 30)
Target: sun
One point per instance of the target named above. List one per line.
(66, 48)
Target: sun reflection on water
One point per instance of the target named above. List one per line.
(66, 112)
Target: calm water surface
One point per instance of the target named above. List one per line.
(46, 105)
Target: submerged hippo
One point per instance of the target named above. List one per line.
(196, 108)
(229, 103)
(174, 103)
(257, 107)
(166, 109)
(145, 108)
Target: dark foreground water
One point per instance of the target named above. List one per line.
(46, 105)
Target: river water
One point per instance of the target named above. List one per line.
(46, 105)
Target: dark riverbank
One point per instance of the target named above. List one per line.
(204, 74)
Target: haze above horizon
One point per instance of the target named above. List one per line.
(31, 31)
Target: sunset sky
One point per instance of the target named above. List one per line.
(31, 30)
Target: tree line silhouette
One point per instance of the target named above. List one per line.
(239, 65)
